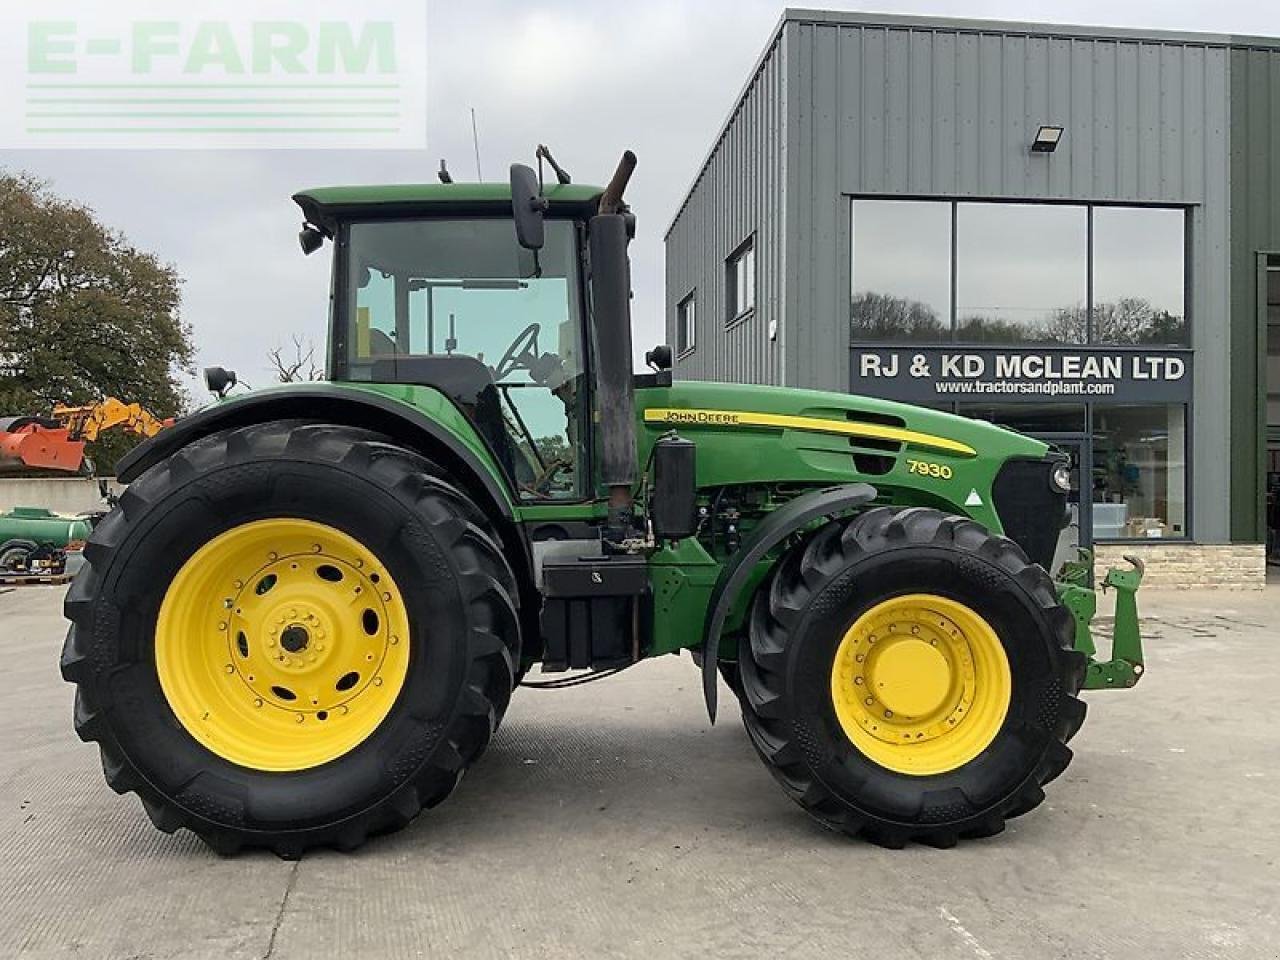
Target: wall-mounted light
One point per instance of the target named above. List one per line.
(1047, 139)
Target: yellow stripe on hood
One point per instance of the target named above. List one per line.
(850, 428)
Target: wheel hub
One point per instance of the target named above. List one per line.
(294, 638)
(282, 644)
(910, 677)
(920, 684)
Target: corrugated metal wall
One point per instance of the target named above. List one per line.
(1255, 228)
(738, 193)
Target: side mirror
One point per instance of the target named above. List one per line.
(527, 206)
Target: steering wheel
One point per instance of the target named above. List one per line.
(522, 353)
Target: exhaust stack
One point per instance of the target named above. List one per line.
(610, 232)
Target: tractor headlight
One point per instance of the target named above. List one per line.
(1060, 477)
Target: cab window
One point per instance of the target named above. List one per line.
(459, 305)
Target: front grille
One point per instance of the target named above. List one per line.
(1031, 511)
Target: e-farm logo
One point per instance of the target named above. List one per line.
(277, 74)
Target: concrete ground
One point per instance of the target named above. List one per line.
(610, 820)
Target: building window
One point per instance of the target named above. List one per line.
(1022, 273)
(686, 324)
(1139, 266)
(1017, 273)
(740, 274)
(1139, 472)
(901, 270)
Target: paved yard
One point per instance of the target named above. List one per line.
(610, 820)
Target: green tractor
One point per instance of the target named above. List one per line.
(306, 616)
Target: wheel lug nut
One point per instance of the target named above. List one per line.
(858, 681)
(870, 701)
(273, 556)
(257, 702)
(229, 668)
(888, 714)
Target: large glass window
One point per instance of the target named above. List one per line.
(1139, 472)
(1021, 273)
(458, 305)
(1139, 291)
(901, 270)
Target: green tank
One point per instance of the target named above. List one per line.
(42, 526)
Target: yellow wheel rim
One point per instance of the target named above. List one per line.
(282, 644)
(921, 684)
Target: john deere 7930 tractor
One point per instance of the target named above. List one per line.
(306, 617)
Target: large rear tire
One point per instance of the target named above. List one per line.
(291, 635)
(910, 676)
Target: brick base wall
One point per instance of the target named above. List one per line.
(1236, 566)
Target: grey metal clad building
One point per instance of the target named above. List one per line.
(1074, 231)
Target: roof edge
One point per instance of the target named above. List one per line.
(1024, 27)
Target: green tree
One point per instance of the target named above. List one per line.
(83, 314)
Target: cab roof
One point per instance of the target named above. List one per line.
(325, 206)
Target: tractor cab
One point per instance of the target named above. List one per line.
(432, 287)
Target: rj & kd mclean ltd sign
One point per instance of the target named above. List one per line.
(1023, 374)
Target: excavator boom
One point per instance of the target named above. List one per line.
(85, 423)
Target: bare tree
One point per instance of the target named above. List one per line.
(298, 368)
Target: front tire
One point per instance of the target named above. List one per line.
(910, 676)
(291, 635)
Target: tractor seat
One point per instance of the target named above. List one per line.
(459, 376)
(466, 381)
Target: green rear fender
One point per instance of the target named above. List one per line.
(421, 418)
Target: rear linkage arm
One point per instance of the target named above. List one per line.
(1125, 668)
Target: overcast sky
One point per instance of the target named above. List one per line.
(588, 79)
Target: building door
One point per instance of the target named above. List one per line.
(1078, 533)
(1270, 290)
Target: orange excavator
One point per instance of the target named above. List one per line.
(57, 442)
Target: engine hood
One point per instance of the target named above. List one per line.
(759, 434)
